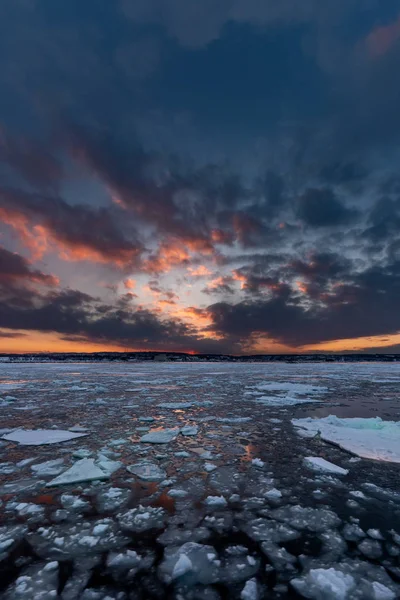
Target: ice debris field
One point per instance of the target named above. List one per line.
(199, 481)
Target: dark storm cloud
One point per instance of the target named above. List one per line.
(321, 208)
(365, 306)
(72, 313)
(384, 220)
(15, 268)
(31, 160)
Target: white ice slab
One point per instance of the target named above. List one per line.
(190, 430)
(82, 470)
(368, 438)
(320, 464)
(37, 437)
(163, 436)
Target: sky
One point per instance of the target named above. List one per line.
(217, 176)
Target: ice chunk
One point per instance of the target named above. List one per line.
(66, 541)
(177, 493)
(216, 501)
(320, 464)
(112, 499)
(142, 518)
(70, 502)
(273, 494)
(367, 438)
(106, 465)
(381, 592)
(37, 582)
(162, 436)
(195, 568)
(37, 437)
(257, 462)
(25, 509)
(375, 534)
(311, 519)
(250, 591)
(330, 584)
(279, 558)
(50, 467)
(189, 430)
(82, 470)
(182, 566)
(123, 566)
(147, 471)
(209, 467)
(370, 548)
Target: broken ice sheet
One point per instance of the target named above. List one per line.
(83, 470)
(50, 467)
(190, 430)
(175, 405)
(367, 438)
(37, 437)
(161, 436)
(147, 471)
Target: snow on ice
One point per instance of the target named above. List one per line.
(367, 438)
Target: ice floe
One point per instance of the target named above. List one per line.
(368, 438)
(147, 471)
(162, 436)
(83, 470)
(320, 464)
(37, 437)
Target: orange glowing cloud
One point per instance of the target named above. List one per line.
(201, 271)
(42, 239)
(302, 287)
(171, 253)
(237, 276)
(381, 39)
(129, 284)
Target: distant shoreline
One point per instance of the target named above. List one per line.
(186, 357)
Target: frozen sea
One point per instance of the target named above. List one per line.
(200, 481)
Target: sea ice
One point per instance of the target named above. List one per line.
(190, 430)
(37, 581)
(199, 565)
(215, 501)
(37, 437)
(175, 405)
(320, 464)
(250, 591)
(66, 541)
(82, 470)
(142, 518)
(147, 471)
(50, 467)
(311, 519)
(367, 438)
(330, 584)
(273, 494)
(162, 436)
(112, 499)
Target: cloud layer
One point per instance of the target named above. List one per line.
(214, 176)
